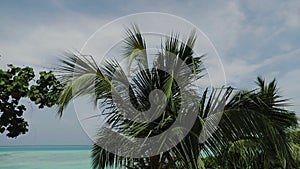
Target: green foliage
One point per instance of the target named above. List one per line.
(295, 146)
(255, 131)
(212, 163)
(17, 83)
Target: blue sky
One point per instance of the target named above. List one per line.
(253, 38)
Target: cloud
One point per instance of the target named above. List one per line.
(291, 17)
(223, 26)
(29, 42)
(290, 56)
(238, 70)
(289, 85)
(42, 44)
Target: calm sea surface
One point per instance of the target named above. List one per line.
(45, 157)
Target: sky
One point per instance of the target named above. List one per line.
(253, 38)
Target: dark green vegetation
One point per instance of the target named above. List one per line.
(256, 130)
(243, 153)
(17, 83)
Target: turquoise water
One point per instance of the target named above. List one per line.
(45, 157)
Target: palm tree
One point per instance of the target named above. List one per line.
(253, 131)
(259, 130)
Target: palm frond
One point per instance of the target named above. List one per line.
(135, 47)
(253, 115)
(81, 76)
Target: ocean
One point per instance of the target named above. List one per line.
(45, 157)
